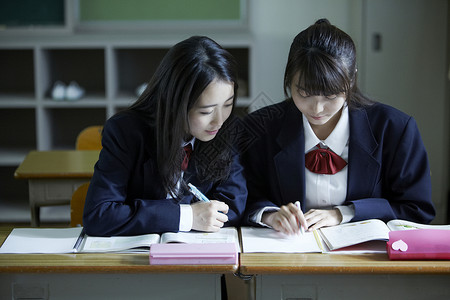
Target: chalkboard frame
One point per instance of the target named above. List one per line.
(46, 29)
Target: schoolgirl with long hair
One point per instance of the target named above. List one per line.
(179, 131)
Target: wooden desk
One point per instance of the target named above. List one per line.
(53, 176)
(334, 276)
(104, 276)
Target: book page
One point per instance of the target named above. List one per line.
(408, 225)
(376, 246)
(255, 239)
(129, 244)
(348, 234)
(224, 235)
(41, 240)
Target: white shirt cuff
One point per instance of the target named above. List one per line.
(256, 217)
(186, 217)
(347, 212)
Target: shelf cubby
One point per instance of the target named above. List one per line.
(12, 188)
(63, 125)
(18, 134)
(83, 65)
(135, 66)
(17, 76)
(242, 57)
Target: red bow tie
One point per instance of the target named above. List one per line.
(187, 155)
(324, 161)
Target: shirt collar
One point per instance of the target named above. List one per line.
(338, 138)
(192, 142)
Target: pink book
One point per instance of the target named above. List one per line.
(419, 244)
(194, 254)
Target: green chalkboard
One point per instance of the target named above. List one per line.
(25, 13)
(159, 10)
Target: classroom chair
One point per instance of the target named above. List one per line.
(77, 205)
(90, 138)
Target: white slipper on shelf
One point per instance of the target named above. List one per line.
(58, 91)
(74, 91)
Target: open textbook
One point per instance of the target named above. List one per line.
(356, 237)
(73, 240)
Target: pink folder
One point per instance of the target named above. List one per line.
(194, 254)
(419, 244)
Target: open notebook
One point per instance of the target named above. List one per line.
(369, 236)
(73, 240)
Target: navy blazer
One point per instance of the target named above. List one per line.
(126, 195)
(388, 169)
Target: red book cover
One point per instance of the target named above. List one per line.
(419, 244)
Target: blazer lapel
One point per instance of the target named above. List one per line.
(290, 161)
(363, 167)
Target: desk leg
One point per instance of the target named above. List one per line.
(35, 215)
(240, 288)
(34, 207)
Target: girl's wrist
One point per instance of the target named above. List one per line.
(267, 218)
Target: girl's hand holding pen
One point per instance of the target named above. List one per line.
(301, 221)
(209, 216)
(286, 220)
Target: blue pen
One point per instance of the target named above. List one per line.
(197, 193)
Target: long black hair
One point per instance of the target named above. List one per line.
(325, 59)
(183, 74)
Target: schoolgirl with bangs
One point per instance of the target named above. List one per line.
(328, 154)
(178, 131)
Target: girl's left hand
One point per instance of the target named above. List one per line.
(317, 218)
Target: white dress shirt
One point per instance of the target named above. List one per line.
(323, 190)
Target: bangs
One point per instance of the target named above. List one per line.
(320, 74)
